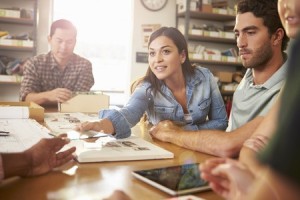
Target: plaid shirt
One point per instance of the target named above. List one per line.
(41, 73)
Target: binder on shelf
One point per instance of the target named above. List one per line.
(86, 102)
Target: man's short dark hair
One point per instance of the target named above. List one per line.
(63, 24)
(267, 10)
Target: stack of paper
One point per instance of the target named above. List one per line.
(14, 112)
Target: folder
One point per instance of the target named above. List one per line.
(85, 102)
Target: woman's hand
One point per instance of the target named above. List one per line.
(104, 125)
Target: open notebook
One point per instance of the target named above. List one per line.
(22, 134)
(60, 123)
(106, 147)
(111, 149)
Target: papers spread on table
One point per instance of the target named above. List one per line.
(106, 148)
(14, 112)
(111, 149)
(60, 123)
(22, 134)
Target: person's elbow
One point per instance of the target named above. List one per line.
(228, 149)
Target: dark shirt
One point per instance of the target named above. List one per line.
(283, 152)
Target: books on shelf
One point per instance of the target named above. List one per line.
(110, 149)
(13, 13)
(16, 43)
(211, 57)
(213, 34)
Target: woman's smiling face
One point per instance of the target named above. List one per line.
(290, 20)
(164, 58)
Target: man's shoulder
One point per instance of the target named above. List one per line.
(41, 57)
(78, 58)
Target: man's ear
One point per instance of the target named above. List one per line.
(49, 38)
(278, 36)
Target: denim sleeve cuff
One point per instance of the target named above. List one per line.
(121, 126)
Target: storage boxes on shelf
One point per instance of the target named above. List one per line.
(10, 13)
(205, 6)
(16, 43)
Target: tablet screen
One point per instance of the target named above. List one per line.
(181, 179)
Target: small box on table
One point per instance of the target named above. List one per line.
(35, 111)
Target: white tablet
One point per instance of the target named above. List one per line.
(174, 180)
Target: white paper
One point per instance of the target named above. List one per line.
(23, 133)
(14, 112)
(60, 123)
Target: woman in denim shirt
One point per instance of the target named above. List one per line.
(172, 89)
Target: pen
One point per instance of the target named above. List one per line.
(4, 133)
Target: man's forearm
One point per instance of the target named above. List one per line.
(216, 142)
(39, 98)
(266, 129)
(15, 164)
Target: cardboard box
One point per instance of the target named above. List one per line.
(194, 5)
(19, 43)
(206, 8)
(10, 13)
(85, 103)
(35, 111)
(225, 77)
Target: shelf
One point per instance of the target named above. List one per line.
(216, 62)
(211, 39)
(10, 79)
(15, 25)
(11, 20)
(208, 16)
(16, 48)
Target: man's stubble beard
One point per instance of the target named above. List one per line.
(261, 56)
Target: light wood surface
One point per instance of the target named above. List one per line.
(98, 180)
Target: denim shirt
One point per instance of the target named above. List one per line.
(204, 103)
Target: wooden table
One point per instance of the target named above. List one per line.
(98, 180)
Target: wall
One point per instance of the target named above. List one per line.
(165, 17)
(44, 22)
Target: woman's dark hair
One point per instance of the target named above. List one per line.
(63, 24)
(176, 36)
(267, 10)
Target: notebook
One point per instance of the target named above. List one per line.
(22, 134)
(110, 149)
